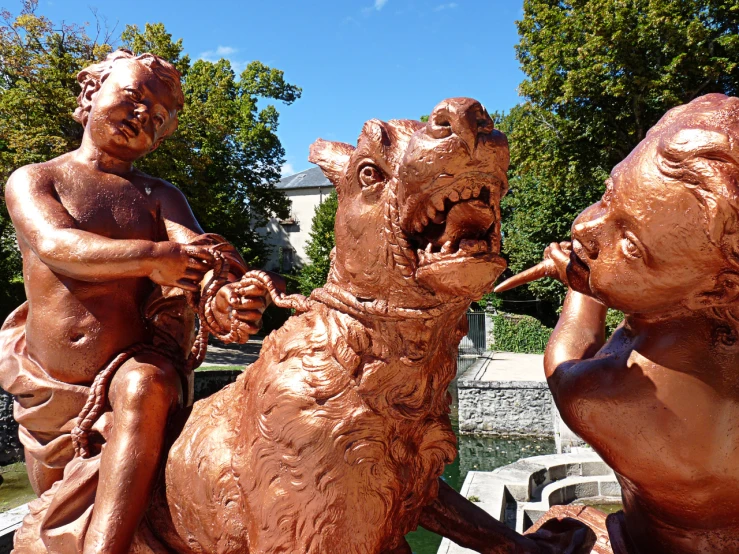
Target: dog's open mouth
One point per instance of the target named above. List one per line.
(457, 222)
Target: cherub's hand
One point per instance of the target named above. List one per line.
(556, 258)
(180, 265)
(554, 265)
(246, 304)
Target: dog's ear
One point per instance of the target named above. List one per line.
(331, 157)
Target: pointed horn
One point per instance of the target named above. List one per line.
(545, 268)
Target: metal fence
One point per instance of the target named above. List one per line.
(475, 342)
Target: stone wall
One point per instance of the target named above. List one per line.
(514, 408)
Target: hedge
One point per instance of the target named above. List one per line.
(519, 333)
(527, 335)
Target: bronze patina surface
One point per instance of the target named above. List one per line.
(334, 440)
(660, 399)
(97, 358)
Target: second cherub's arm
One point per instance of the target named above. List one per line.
(579, 334)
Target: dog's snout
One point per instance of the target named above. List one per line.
(463, 117)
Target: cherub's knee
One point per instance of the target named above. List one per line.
(150, 385)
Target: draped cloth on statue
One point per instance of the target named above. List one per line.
(46, 410)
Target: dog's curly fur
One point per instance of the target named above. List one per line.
(335, 439)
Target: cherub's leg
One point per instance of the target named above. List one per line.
(41, 476)
(143, 394)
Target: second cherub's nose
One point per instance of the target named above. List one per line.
(586, 228)
(464, 117)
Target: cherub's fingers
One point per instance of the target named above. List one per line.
(250, 304)
(558, 254)
(186, 284)
(195, 274)
(252, 291)
(248, 316)
(199, 253)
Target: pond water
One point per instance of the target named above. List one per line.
(477, 454)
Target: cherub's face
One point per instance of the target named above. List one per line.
(131, 112)
(644, 248)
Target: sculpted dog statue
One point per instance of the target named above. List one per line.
(335, 439)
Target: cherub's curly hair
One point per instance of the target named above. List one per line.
(93, 76)
(699, 149)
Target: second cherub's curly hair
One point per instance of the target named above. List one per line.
(93, 76)
(699, 149)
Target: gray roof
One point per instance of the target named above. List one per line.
(310, 178)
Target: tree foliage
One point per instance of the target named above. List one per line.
(322, 241)
(599, 74)
(225, 155)
(38, 91)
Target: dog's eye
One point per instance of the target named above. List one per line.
(370, 175)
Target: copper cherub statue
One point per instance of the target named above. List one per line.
(97, 358)
(660, 399)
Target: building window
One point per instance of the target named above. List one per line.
(287, 258)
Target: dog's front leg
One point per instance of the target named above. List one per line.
(451, 515)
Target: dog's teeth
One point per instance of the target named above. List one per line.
(424, 220)
(418, 226)
(429, 246)
(438, 202)
(431, 212)
(454, 196)
(466, 193)
(447, 248)
(476, 191)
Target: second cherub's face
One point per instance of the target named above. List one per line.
(644, 247)
(131, 112)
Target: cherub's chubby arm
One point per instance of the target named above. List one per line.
(580, 331)
(246, 304)
(45, 226)
(455, 517)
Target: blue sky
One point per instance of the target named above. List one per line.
(354, 59)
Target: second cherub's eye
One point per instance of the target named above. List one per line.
(370, 175)
(630, 247)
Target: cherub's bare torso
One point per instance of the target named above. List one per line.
(74, 327)
(667, 407)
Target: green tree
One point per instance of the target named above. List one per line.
(599, 74)
(225, 155)
(314, 274)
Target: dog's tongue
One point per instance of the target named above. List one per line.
(467, 220)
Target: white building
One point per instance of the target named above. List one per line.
(289, 237)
